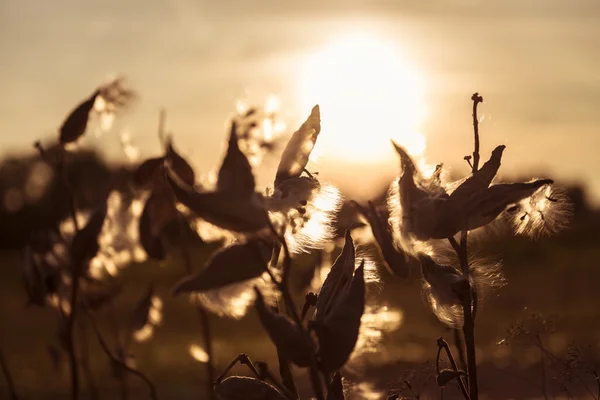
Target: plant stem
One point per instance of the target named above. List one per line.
(283, 287)
(122, 346)
(8, 377)
(469, 331)
(460, 347)
(85, 362)
(476, 100)
(208, 347)
(119, 362)
(467, 295)
(75, 273)
(202, 316)
(442, 344)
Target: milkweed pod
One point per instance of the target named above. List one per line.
(338, 279)
(228, 265)
(291, 341)
(338, 331)
(297, 151)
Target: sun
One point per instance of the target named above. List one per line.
(369, 93)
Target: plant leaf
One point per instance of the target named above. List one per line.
(446, 375)
(338, 332)
(338, 279)
(85, 243)
(228, 265)
(235, 174)
(76, 122)
(226, 210)
(246, 388)
(289, 339)
(297, 151)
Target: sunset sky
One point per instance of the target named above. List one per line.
(536, 63)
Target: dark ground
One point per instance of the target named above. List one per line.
(557, 277)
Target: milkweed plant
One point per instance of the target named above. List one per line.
(260, 232)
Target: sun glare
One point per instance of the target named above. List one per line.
(369, 93)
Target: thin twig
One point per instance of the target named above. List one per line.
(442, 344)
(469, 322)
(8, 377)
(476, 100)
(119, 362)
(202, 316)
(85, 361)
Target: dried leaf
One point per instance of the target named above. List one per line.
(76, 122)
(338, 332)
(338, 279)
(85, 243)
(179, 165)
(226, 210)
(228, 265)
(235, 174)
(245, 388)
(296, 153)
(395, 259)
(289, 339)
(149, 172)
(335, 391)
(446, 375)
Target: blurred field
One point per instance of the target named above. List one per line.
(557, 277)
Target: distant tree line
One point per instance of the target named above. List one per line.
(32, 197)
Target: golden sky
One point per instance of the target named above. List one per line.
(536, 63)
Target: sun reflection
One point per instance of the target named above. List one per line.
(198, 353)
(369, 93)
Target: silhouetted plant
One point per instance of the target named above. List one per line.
(259, 234)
